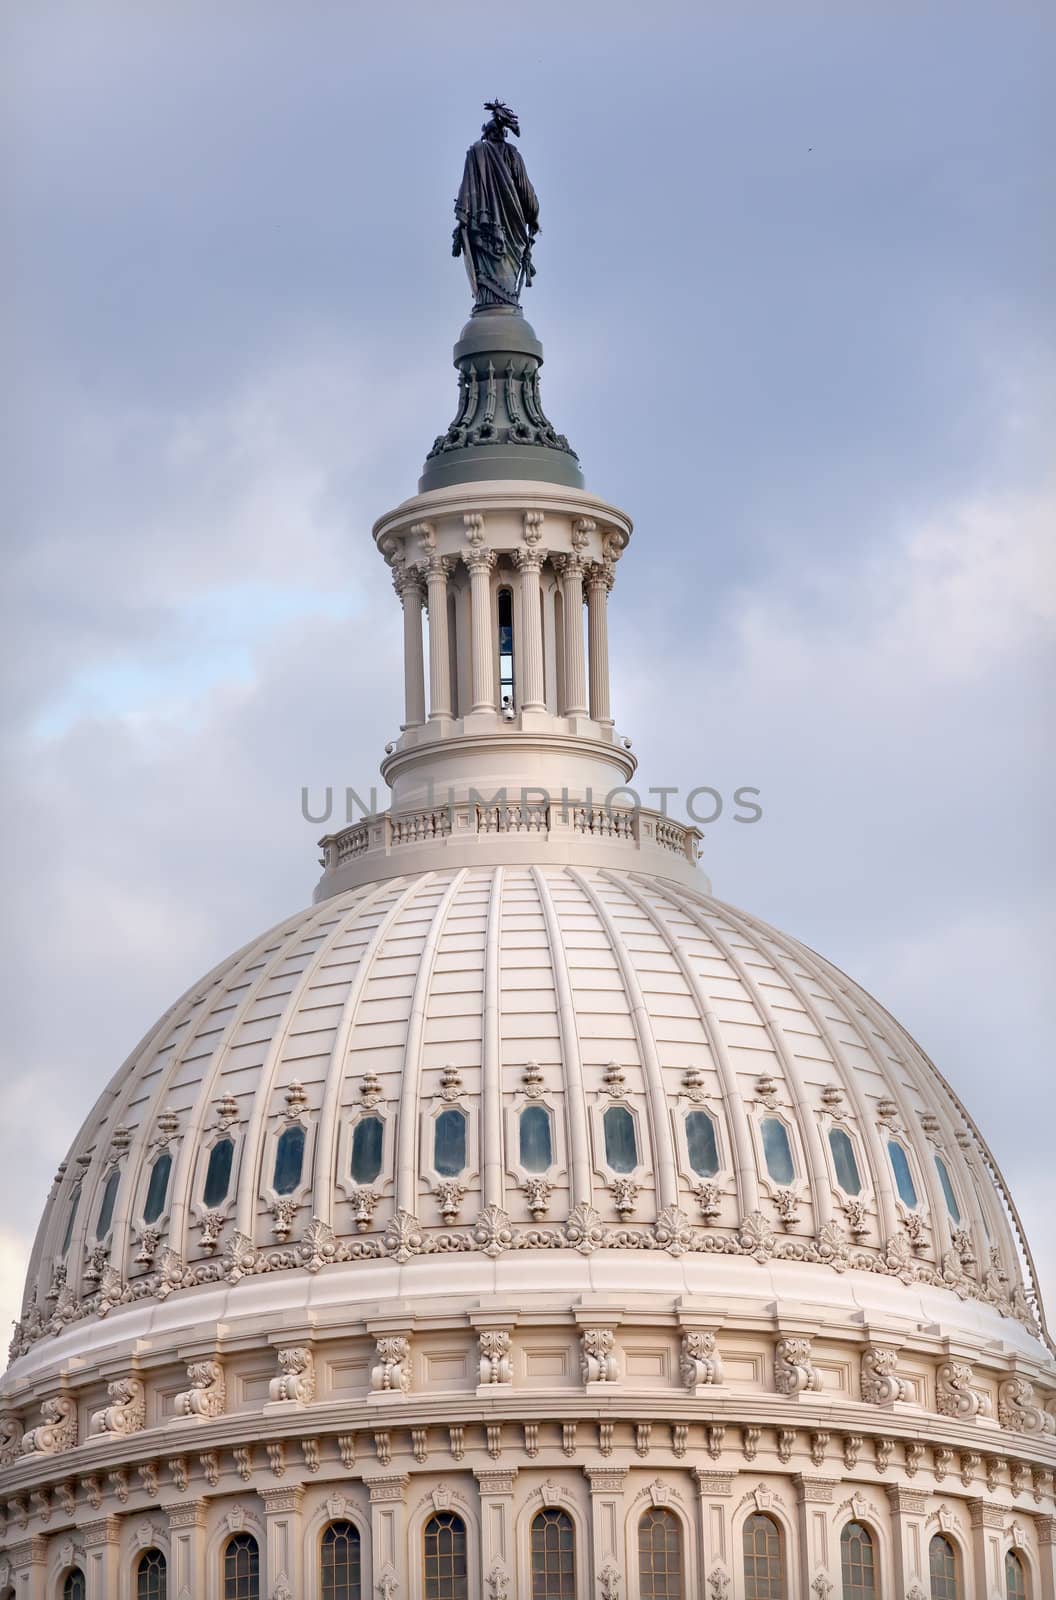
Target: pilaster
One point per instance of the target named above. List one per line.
(388, 1529)
(282, 1510)
(1045, 1528)
(607, 1519)
(28, 1568)
(497, 1557)
(714, 1504)
(908, 1537)
(186, 1548)
(814, 1506)
(100, 1557)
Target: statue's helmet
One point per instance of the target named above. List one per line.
(502, 117)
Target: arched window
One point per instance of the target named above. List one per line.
(289, 1160)
(106, 1206)
(553, 1556)
(157, 1188)
(506, 648)
(903, 1177)
(341, 1562)
(241, 1568)
(764, 1562)
(71, 1218)
(947, 1190)
(152, 1576)
(621, 1146)
(777, 1150)
(944, 1569)
(73, 1587)
(858, 1557)
(1015, 1577)
(218, 1173)
(702, 1145)
(368, 1137)
(449, 1142)
(446, 1559)
(843, 1159)
(660, 1573)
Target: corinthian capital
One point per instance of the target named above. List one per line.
(599, 575)
(479, 558)
(529, 558)
(570, 566)
(407, 580)
(437, 566)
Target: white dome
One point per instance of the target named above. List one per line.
(589, 993)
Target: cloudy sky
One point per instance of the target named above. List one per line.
(796, 290)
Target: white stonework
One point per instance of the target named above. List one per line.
(444, 1234)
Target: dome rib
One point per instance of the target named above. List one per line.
(493, 1186)
(183, 1172)
(410, 1083)
(665, 1168)
(880, 1171)
(582, 1188)
(817, 1165)
(339, 1063)
(745, 1172)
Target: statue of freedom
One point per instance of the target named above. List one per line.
(498, 214)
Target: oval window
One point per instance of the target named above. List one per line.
(537, 1145)
(157, 1188)
(843, 1159)
(947, 1190)
(71, 1218)
(777, 1150)
(367, 1143)
(289, 1160)
(106, 1208)
(903, 1177)
(449, 1143)
(701, 1143)
(621, 1146)
(218, 1172)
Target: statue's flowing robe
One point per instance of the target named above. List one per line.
(498, 211)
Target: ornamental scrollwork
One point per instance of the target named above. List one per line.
(1017, 1408)
(127, 1411)
(57, 1432)
(296, 1379)
(699, 1363)
(880, 1383)
(495, 1364)
(393, 1368)
(597, 1362)
(794, 1372)
(955, 1395)
(207, 1395)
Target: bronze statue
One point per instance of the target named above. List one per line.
(498, 214)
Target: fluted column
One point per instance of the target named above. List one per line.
(407, 581)
(480, 563)
(529, 561)
(599, 584)
(570, 577)
(437, 571)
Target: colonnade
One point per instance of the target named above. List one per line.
(425, 586)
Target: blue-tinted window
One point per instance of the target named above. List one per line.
(847, 1175)
(218, 1172)
(449, 1143)
(537, 1145)
(289, 1160)
(777, 1150)
(367, 1145)
(947, 1189)
(71, 1218)
(700, 1140)
(903, 1177)
(106, 1208)
(157, 1188)
(73, 1587)
(621, 1147)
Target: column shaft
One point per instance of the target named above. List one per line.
(529, 646)
(388, 1511)
(599, 582)
(607, 1515)
(570, 575)
(100, 1558)
(439, 647)
(480, 564)
(497, 1558)
(909, 1509)
(409, 587)
(285, 1544)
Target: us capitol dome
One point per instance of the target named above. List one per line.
(520, 1221)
